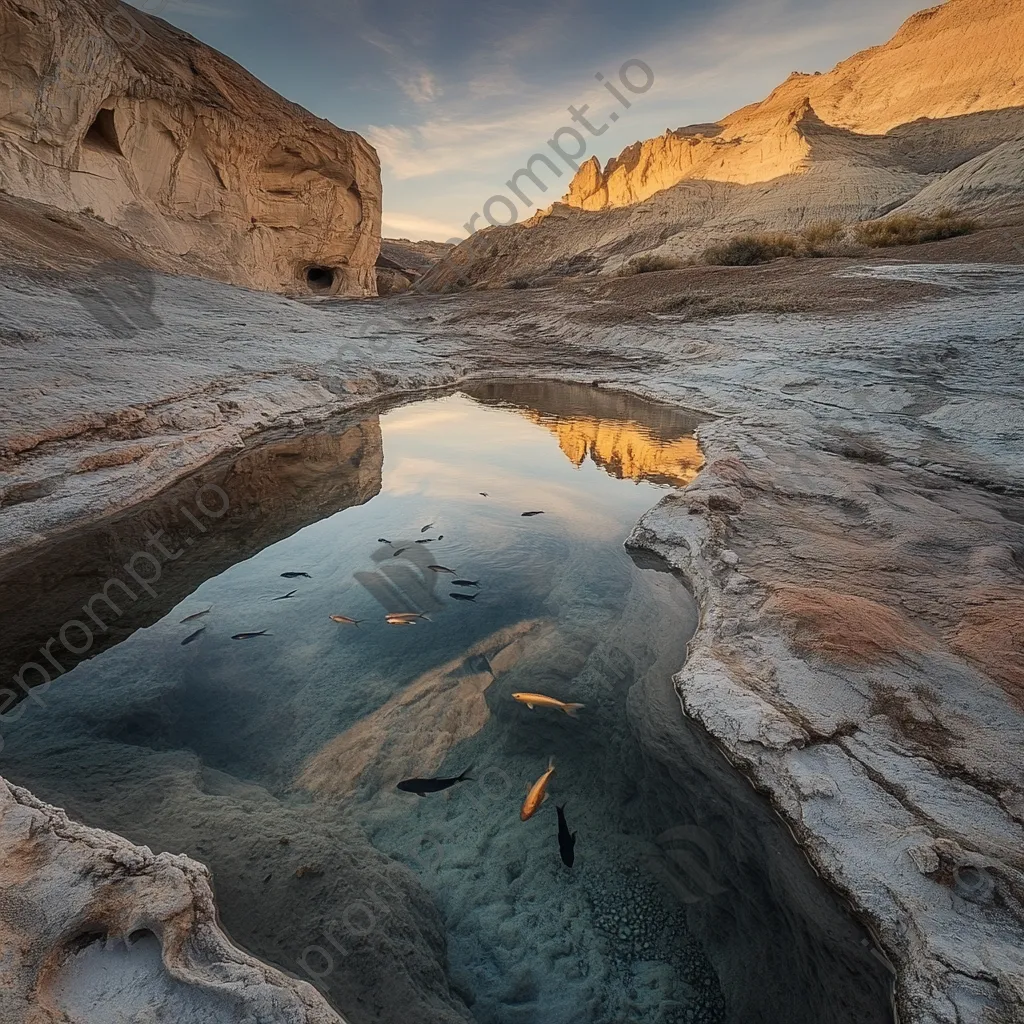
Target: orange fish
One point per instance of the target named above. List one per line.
(532, 700)
(538, 793)
(345, 619)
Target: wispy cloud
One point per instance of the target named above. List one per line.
(420, 87)
(400, 224)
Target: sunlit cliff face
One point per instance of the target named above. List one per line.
(626, 450)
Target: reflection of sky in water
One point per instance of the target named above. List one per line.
(259, 708)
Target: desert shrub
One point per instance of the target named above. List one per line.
(823, 232)
(913, 229)
(519, 282)
(748, 250)
(648, 264)
(90, 212)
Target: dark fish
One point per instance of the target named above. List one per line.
(462, 597)
(566, 839)
(196, 615)
(383, 540)
(532, 513)
(483, 494)
(427, 527)
(440, 536)
(295, 575)
(284, 597)
(249, 636)
(193, 636)
(442, 568)
(465, 583)
(424, 786)
(426, 540)
(398, 552)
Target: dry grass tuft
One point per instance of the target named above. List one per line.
(844, 627)
(911, 229)
(648, 264)
(990, 636)
(748, 250)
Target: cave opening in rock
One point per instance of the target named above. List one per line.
(102, 132)
(320, 279)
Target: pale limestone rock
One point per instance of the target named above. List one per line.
(203, 166)
(91, 925)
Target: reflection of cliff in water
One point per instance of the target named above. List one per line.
(628, 438)
(272, 490)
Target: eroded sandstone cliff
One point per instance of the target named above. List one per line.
(932, 118)
(104, 109)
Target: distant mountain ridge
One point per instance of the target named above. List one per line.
(945, 96)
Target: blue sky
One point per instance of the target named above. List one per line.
(456, 96)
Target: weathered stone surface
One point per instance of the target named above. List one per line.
(194, 159)
(94, 928)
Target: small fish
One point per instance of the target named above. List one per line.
(566, 839)
(537, 794)
(295, 575)
(440, 536)
(532, 513)
(424, 786)
(196, 615)
(193, 636)
(462, 597)
(426, 540)
(532, 700)
(249, 636)
(465, 583)
(484, 494)
(383, 540)
(398, 552)
(401, 622)
(346, 619)
(405, 615)
(427, 527)
(284, 597)
(443, 568)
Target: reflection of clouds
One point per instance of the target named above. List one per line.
(412, 418)
(519, 492)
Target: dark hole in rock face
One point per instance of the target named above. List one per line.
(103, 133)
(86, 939)
(320, 279)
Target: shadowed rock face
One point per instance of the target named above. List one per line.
(197, 161)
(250, 502)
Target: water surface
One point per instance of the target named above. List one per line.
(245, 752)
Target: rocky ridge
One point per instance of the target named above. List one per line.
(930, 120)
